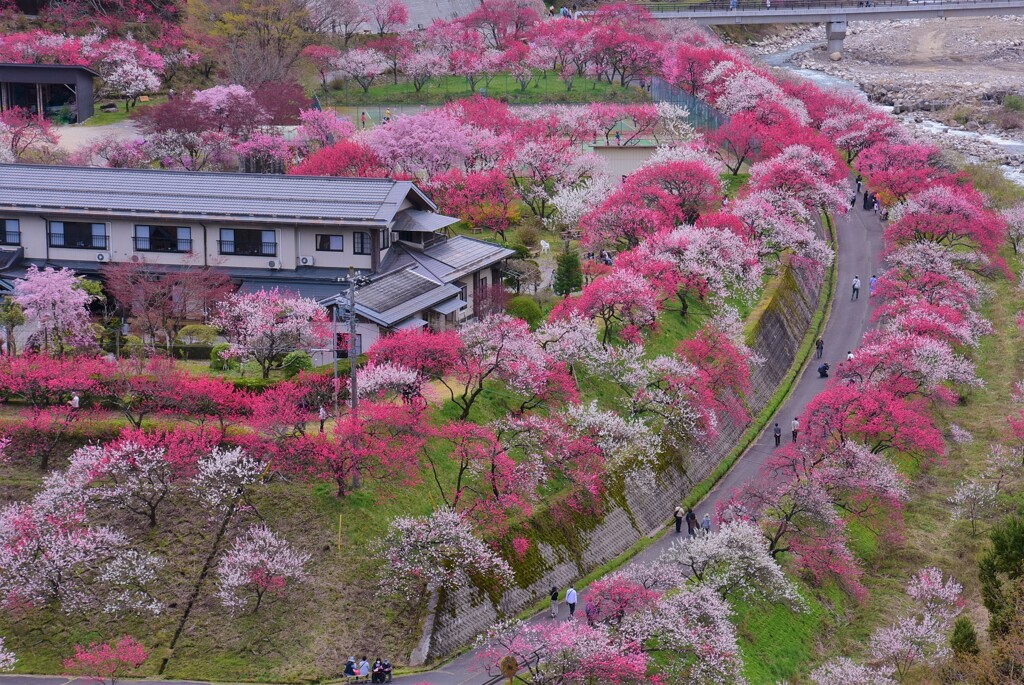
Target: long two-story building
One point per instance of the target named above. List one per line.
(296, 233)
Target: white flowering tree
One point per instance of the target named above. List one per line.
(256, 565)
(733, 561)
(222, 477)
(127, 475)
(7, 658)
(438, 552)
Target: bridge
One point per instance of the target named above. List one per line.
(834, 14)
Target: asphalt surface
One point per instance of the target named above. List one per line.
(859, 234)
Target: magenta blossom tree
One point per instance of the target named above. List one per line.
(107, 662)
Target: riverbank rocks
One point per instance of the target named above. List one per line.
(835, 56)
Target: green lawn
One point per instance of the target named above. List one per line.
(107, 118)
(545, 88)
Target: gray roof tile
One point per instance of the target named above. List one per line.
(205, 196)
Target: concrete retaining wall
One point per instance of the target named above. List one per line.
(640, 509)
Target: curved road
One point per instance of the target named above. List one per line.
(860, 245)
(859, 234)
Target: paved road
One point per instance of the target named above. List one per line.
(860, 245)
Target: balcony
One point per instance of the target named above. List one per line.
(10, 237)
(162, 244)
(254, 249)
(96, 242)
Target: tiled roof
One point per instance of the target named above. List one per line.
(205, 196)
(449, 260)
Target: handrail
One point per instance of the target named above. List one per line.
(781, 6)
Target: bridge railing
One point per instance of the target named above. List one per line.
(750, 5)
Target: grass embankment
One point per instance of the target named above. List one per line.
(119, 115)
(776, 642)
(546, 88)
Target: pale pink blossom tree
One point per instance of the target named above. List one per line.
(437, 552)
(390, 16)
(362, 65)
(55, 301)
(256, 565)
(319, 129)
(265, 325)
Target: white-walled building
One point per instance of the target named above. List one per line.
(297, 233)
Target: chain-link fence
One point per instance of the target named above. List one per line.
(702, 115)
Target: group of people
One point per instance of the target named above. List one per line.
(872, 284)
(604, 256)
(871, 201)
(380, 672)
(693, 527)
(565, 12)
(794, 427)
(571, 597)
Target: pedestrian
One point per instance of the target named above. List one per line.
(872, 284)
(778, 434)
(705, 525)
(570, 599)
(732, 4)
(819, 348)
(554, 602)
(795, 426)
(74, 402)
(387, 671)
(323, 417)
(849, 355)
(853, 201)
(859, 180)
(378, 671)
(691, 523)
(362, 118)
(877, 205)
(856, 288)
(768, 4)
(551, 11)
(387, 115)
(350, 667)
(867, 200)
(364, 668)
(618, 137)
(823, 370)
(678, 516)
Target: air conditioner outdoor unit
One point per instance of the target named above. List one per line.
(102, 256)
(274, 264)
(305, 260)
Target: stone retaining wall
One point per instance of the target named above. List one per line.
(641, 509)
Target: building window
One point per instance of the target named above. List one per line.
(361, 242)
(330, 243)
(483, 283)
(12, 232)
(385, 239)
(163, 238)
(248, 242)
(463, 292)
(78, 234)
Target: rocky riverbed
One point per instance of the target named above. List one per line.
(948, 80)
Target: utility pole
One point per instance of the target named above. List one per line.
(352, 352)
(334, 351)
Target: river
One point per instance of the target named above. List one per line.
(782, 60)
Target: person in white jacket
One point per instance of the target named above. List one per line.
(570, 599)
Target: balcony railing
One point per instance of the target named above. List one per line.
(143, 244)
(10, 237)
(96, 242)
(231, 247)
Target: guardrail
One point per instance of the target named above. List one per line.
(760, 5)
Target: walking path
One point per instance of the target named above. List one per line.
(860, 246)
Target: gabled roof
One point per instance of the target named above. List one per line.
(206, 196)
(447, 261)
(398, 295)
